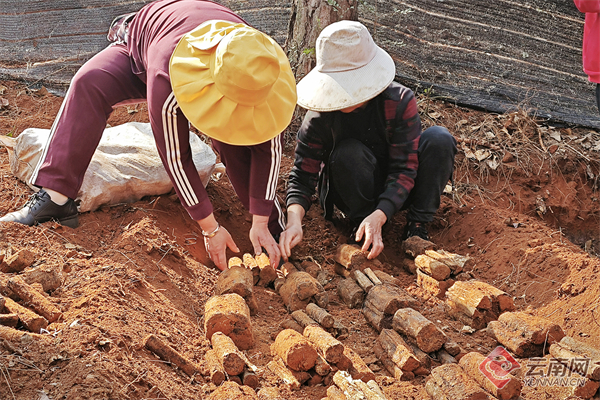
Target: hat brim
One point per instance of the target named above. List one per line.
(219, 117)
(332, 91)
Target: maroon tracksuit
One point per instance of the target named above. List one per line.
(138, 71)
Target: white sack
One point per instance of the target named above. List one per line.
(124, 168)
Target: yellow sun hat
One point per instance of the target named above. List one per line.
(233, 83)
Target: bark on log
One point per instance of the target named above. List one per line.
(386, 278)
(2, 302)
(350, 256)
(434, 287)
(377, 319)
(415, 246)
(311, 268)
(167, 353)
(344, 382)
(397, 350)
(362, 280)
(372, 276)
(472, 363)
(479, 320)
(329, 347)
(32, 321)
(437, 270)
(456, 262)
(232, 360)
(342, 271)
(320, 315)
(278, 283)
(334, 393)
(213, 368)
(269, 393)
(423, 357)
(250, 379)
(9, 320)
(14, 335)
(278, 367)
(350, 293)
(297, 290)
(321, 299)
(291, 324)
(35, 299)
(288, 268)
(303, 319)
(452, 348)
(296, 351)
(514, 341)
(468, 298)
(570, 348)
(450, 382)
(238, 280)
(229, 314)
(445, 358)
(538, 330)
(233, 390)
(411, 323)
(17, 262)
(388, 299)
(388, 364)
(321, 366)
(236, 379)
(268, 274)
(358, 368)
(500, 301)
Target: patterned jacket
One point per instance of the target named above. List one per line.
(398, 124)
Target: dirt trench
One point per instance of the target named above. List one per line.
(524, 208)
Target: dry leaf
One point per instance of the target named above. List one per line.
(481, 155)
(2, 89)
(493, 163)
(3, 102)
(434, 115)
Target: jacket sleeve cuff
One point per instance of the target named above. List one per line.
(298, 200)
(261, 206)
(388, 208)
(201, 210)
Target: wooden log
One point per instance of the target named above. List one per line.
(35, 299)
(344, 381)
(213, 368)
(472, 363)
(321, 366)
(303, 319)
(411, 323)
(444, 357)
(397, 350)
(387, 363)
(291, 324)
(452, 347)
(334, 393)
(371, 391)
(32, 321)
(168, 354)
(321, 299)
(232, 389)
(229, 314)
(500, 301)
(450, 382)
(342, 271)
(15, 335)
(350, 293)
(372, 276)
(358, 368)
(468, 298)
(377, 319)
(278, 283)
(513, 340)
(421, 371)
(479, 320)
(18, 261)
(296, 351)
(434, 287)
(350, 256)
(415, 246)
(288, 268)
(456, 262)
(236, 379)
(537, 329)
(249, 378)
(9, 320)
(269, 393)
(362, 280)
(437, 270)
(409, 266)
(423, 357)
(312, 268)
(278, 367)
(232, 360)
(315, 379)
(329, 347)
(49, 278)
(339, 330)
(268, 274)
(320, 315)
(301, 284)
(238, 280)
(386, 278)
(388, 299)
(235, 262)
(570, 348)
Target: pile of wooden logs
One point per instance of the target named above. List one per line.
(299, 288)
(263, 274)
(229, 314)
(382, 302)
(347, 388)
(315, 315)
(465, 381)
(226, 361)
(313, 358)
(476, 303)
(525, 335)
(568, 351)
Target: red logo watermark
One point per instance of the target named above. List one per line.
(497, 365)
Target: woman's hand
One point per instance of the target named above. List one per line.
(261, 237)
(217, 241)
(370, 227)
(293, 231)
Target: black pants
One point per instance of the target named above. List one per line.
(356, 180)
(598, 95)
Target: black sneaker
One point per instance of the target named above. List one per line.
(416, 229)
(40, 208)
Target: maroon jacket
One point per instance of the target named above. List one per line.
(591, 38)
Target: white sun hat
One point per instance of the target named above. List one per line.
(351, 69)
